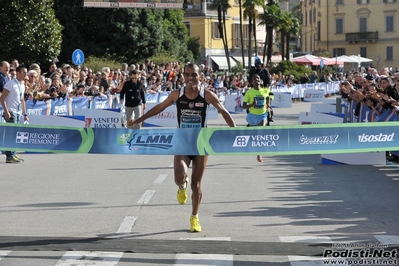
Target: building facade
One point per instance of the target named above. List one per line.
(369, 28)
(202, 22)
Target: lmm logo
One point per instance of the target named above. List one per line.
(152, 141)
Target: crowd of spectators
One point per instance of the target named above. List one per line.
(371, 87)
(378, 90)
(80, 81)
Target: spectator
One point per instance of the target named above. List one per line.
(4, 78)
(13, 104)
(51, 70)
(304, 78)
(132, 96)
(313, 77)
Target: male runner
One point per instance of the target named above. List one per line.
(191, 103)
(256, 100)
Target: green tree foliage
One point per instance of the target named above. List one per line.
(29, 31)
(322, 53)
(194, 45)
(222, 6)
(126, 34)
(270, 18)
(290, 68)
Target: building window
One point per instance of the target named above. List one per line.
(237, 37)
(314, 15)
(187, 24)
(339, 25)
(363, 1)
(362, 24)
(310, 17)
(390, 1)
(339, 2)
(363, 51)
(215, 30)
(389, 52)
(339, 52)
(318, 30)
(389, 23)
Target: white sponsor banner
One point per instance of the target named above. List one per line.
(324, 108)
(166, 118)
(54, 120)
(282, 100)
(313, 95)
(101, 118)
(233, 103)
(318, 118)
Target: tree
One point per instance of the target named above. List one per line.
(251, 13)
(241, 34)
(222, 6)
(124, 33)
(284, 28)
(30, 31)
(270, 18)
(294, 29)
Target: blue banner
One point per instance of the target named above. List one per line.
(38, 107)
(80, 103)
(101, 102)
(61, 106)
(298, 139)
(41, 138)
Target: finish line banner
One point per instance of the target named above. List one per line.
(288, 140)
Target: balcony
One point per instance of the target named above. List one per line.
(355, 37)
(200, 9)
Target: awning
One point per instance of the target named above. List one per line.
(221, 61)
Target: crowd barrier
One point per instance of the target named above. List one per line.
(277, 140)
(233, 101)
(297, 91)
(326, 111)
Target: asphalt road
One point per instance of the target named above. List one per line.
(66, 209)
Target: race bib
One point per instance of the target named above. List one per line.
(190, 121)
(260, 102)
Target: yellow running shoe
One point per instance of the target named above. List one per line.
(182, 194)
(17, 157)
(195, 224)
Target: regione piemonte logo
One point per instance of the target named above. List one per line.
(22, 137)
(241, 141)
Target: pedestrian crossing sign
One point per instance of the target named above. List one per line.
(78, 57)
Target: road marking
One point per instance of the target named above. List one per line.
(305, 239)
(205, 259)
(160, 178)
(313, 261)
(84, 258)
(146, 197)
(387, 239)
(127, 225)
(4, 253)
(207, 238)
(395, 174)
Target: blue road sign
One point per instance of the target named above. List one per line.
(78, 57)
